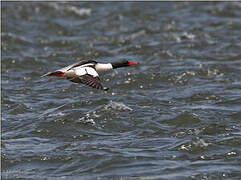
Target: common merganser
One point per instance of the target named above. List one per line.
(86, 72)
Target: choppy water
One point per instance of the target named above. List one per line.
(177, 115)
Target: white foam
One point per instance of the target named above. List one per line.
(117, 106)
(80, 11)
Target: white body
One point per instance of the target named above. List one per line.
(80, 71)
(103, 67)
(86, 69)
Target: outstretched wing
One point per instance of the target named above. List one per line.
(75, 65)
(78, 64)
(88, 76)
(89, 80)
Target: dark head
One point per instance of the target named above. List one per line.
(122, 63)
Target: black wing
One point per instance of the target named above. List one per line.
(64, 69)
(81, 63)
(89, 80)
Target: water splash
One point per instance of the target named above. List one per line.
(119, 106)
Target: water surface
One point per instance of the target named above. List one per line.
(177, 115)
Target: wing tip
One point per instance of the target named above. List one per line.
(47, 74)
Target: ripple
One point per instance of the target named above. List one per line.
(8, 36)
(174, 116)
(183, 119)
(231, 141)
(213, 129)
(79, 11)
(103, 114)
(119, 106)
(196, 145)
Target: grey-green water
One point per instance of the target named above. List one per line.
(177, 115)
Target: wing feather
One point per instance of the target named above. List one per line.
(89, 80)
(88, 76)
(80, 63)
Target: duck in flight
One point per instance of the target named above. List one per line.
(86, 72)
